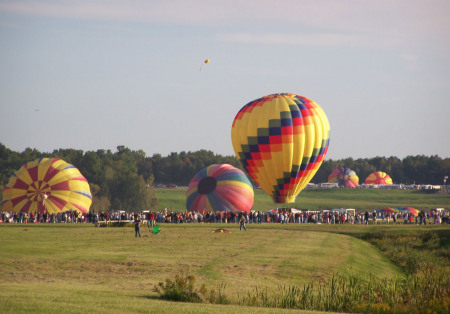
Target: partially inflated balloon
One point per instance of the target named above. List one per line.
(281, 141)
(45, 184)
(344, 177)
(378, 177)
(220, 188)
(409, 210)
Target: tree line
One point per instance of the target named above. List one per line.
(125, 179)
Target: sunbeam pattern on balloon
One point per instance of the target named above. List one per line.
(45, 184)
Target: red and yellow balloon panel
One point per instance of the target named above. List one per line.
(45, 184)
(378, 177)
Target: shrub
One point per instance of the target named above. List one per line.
(182, 289)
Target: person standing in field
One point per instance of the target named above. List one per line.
(137, 225)
(366, 218)
(242, 222)
(150, 218)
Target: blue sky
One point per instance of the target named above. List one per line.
(98, 74)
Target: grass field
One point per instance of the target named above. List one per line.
(318, 199)
(80, 268)
(77, 268)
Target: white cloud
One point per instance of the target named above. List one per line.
(382, 22)
(343, 14)
(320, 39)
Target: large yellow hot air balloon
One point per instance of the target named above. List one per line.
(281, 141)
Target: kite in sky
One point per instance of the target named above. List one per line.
(203, 63)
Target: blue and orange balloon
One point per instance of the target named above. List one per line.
(344, 177)
(281, 141)
(220, 187)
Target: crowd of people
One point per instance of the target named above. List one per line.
(282, 216)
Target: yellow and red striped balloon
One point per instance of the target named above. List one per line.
(46, 184)
(378, 177)
(281, 141)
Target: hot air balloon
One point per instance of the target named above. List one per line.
(281, 140)
(387, 210)
(409, 210)
(46, 184)
(345, 177)
(378, 177)
(220, 187)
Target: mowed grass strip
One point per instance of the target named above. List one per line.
(98, 264)
(77, 298)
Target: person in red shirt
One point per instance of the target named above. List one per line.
(150, 219)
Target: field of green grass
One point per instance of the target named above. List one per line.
(73, 268)
(318, 199)
(80, 268)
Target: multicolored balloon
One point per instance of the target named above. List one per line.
(281, 141)
(344, 177)
(220, 187)
(46, 184)
(378, 177)
(387, 210)
(409, 210)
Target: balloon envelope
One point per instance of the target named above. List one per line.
(46, 184)
(345, 177)
(281, 141)
(220, 187)
(410, 210)
(378, 177)
(387, 210)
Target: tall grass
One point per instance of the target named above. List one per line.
(417, 294)
(424, 289)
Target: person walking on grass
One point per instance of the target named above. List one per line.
(242, 222)
(137, 225)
